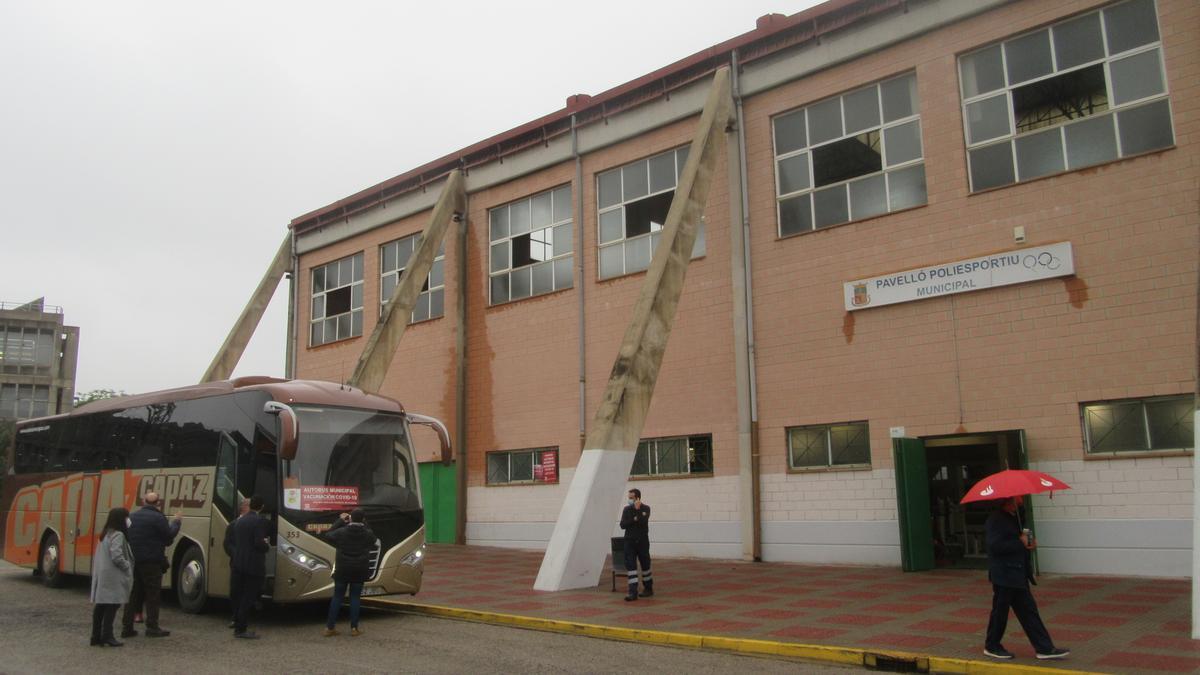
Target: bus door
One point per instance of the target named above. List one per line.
(224, 511)
(81, 523)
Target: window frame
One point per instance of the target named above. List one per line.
(699, 249)
(886, 170)
(1112, 110)
(537, 461)
(425, 296)
(555, 263)
(323, 294)
(1150, 451)
(829, 465)
(652, 458)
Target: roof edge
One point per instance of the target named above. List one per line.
(772, 33)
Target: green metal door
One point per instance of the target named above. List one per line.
(912, 501)
(439, 498)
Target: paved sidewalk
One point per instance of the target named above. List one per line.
(1111, 624)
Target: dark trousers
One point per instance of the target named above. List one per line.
(147, 590)
(235, 594)
(248, 586)
(638, 551)
(1025, 607)
(335, 605)
(102, 621)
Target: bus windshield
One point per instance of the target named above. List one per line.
(350, 459)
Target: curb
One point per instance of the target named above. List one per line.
(853, 656)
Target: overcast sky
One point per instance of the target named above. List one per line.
(152, 153)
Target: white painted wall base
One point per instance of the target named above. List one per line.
(1151, 548)
(845, 541)
(721, 541)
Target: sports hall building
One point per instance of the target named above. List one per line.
(943, 238)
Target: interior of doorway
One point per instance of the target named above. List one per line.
(954, 464)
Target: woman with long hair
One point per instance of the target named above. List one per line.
(112, 577)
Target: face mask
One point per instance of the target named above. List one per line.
(631, 502)
(128, 522)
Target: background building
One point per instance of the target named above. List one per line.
(38, 354)
(967, 223)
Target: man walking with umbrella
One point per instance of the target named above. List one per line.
(1009, 569)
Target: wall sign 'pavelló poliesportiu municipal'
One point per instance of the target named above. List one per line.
(1017, 266)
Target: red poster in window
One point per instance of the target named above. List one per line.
(550, 467)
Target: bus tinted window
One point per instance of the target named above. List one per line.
(32, 445)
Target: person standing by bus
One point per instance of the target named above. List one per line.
(112, 577)
(149, 536)
(243, 507)
(354, 542)
(248, 565)
(635, 520)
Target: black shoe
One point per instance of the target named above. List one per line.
(631, 597)
(128, 633)
(1055, 653)
(246, 635)
(998, 653)
(648, 593)
(112, 642)
(157, 632)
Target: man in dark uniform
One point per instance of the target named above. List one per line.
(635, 520)
(1010, 571)
(149, 535)
(248, 564)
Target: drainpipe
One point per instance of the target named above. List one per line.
(579, 281)
(460, 378)
(743, 303)
(289, 359)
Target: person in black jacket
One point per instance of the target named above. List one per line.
(1010, 571)
(635, 520)
(248, 564)
(234, 589)
(149, 536)
(355, 543)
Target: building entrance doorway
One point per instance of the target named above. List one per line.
(932, 475)
(954, 464)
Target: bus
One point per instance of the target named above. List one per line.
(312, 450)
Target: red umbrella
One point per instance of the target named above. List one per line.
(1011, 483)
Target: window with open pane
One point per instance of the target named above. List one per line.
(849, 157)
(1083, 91)
(633, 203)
(531, 246)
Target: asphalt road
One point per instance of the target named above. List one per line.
(46, 630)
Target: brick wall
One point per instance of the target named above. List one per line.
(1017, 357)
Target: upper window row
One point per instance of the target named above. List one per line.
(337, 291)
(1081, 92)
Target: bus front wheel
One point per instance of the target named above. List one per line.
(191, 581)
(49, 562)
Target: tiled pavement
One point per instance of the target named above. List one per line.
(1111, 624)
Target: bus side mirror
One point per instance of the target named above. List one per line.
(438, 428)
(289, 428)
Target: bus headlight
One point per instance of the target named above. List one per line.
(413, 559)
(302, 558)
